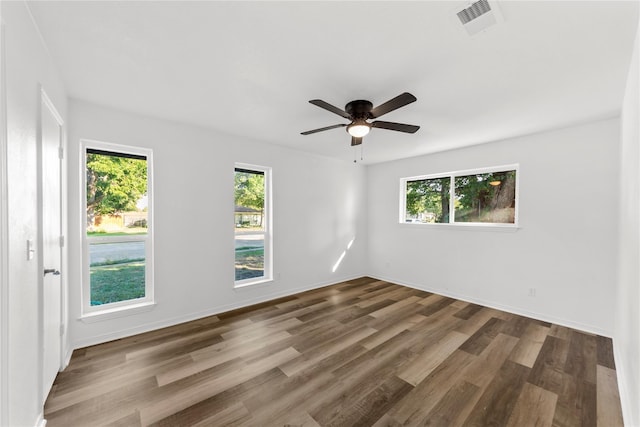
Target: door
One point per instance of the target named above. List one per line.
(51, 229)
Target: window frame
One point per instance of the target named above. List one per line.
(267, 231)
(452, 197)
(132, 306)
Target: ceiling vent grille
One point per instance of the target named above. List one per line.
(479, 16)
(475, 10)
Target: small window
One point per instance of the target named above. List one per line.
(252, 224)
(486, 197)
(118, 228)
(427, 200)
(479, 197)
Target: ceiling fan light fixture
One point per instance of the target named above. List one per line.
(359, 129)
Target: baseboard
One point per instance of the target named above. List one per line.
(491, 304)
(40, 421)
(623, 388)
(201, 314)
(67, 359)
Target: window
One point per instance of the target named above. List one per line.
(427, 200)
(117, 243)
(484, 196)
(252, 223)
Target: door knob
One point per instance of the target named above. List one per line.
(51, 270)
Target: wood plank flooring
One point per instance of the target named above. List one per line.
(359, 353)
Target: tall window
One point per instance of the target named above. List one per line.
(118, 227)
(478, 197)
(252, 224)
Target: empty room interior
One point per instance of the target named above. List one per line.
(320, 213)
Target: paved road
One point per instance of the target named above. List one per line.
(250, 241)
(115, 251)
(99, 253)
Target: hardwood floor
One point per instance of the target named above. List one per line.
(359, 353)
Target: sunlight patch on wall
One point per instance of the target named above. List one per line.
(344, 253)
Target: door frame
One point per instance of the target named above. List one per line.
(4, 237)
(44, 100)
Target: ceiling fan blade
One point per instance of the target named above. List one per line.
(320, 103)
(356, 141)
(401, 127)
(393, 104)
(309, 132)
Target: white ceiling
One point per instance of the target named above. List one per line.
(249, 68)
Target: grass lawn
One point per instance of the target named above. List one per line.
(117, 282)
(249, 263)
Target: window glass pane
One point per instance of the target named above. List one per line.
(249, 256)
(427, 200)
(249, 200)
(487, 197)
(117, 272)
(116, 193)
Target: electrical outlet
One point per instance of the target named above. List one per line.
(532, 292)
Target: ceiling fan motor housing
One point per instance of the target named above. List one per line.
(359, 109)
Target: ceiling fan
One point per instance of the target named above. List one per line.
(360, 111)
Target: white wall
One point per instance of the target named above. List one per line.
(318, 207)
(27, 66)
(566, 246)
(627, 320)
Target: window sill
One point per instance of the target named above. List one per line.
(239, 286)
(466, 227)
(113, 313)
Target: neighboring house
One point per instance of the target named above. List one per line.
(247, 217)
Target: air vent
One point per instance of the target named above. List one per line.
(475, 10)
(479, 16)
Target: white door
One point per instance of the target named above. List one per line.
(51, 244)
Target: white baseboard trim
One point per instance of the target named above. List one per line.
(40, 421)
(66, 359)
(491, 304)
(201, 314)
(623, 388)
